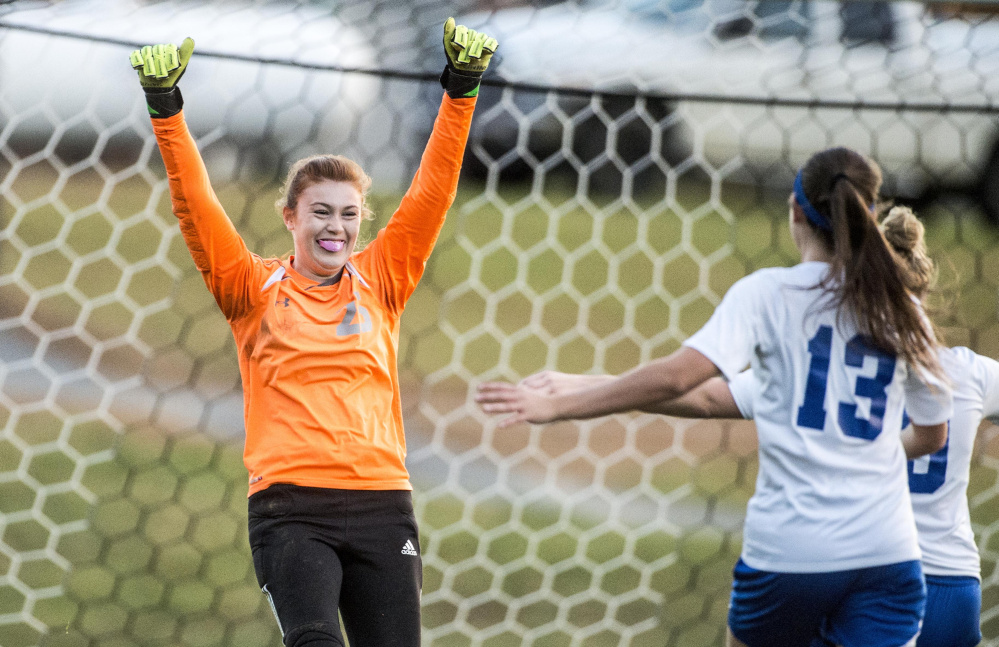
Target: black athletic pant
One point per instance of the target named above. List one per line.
(318, 549)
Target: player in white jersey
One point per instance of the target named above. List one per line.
(938, 482)
(939, 487)
(839, 348)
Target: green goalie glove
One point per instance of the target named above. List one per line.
(160, 68)
(468, 55)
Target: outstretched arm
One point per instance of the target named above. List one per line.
(216, 247)
(644, 387)
(711, 399)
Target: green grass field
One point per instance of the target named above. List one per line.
(516, 284)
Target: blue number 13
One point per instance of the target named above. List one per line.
(812, 412)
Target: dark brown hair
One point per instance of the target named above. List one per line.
(318, 168)
(867, 279)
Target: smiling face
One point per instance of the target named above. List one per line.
(324, 225)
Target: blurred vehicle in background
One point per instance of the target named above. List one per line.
(79, 97)
(894, 53)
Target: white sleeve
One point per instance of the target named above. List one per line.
(743, 388)
(930, 402)
(729, 338)
(988, 369)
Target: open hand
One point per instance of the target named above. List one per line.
(526, 404)
(468, 51)
(161, 66)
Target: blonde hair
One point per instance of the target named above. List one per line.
(906, 235)
(319, 168)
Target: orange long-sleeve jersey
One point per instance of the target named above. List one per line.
(320, 382)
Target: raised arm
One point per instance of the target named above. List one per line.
(407, 241)
(217, 249)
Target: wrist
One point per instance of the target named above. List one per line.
(459, 85)
(561, 406)
(163, 102)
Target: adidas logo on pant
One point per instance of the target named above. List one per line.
(409, 549)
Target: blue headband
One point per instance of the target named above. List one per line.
(811, 212)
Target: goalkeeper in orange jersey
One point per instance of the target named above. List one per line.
(330, 505)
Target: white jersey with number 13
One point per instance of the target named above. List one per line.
(831, 493)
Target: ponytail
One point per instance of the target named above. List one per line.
(867, 279)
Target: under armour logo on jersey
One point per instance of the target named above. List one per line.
(282, 302)
(348, 327)
(409, 549)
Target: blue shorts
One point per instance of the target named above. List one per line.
(880, 606)
(953, 612)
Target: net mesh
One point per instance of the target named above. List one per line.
(606, 207)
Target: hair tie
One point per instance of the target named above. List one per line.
(836, 178)
(873, 207)
(811, 212)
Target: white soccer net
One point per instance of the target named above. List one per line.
(592, 232)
